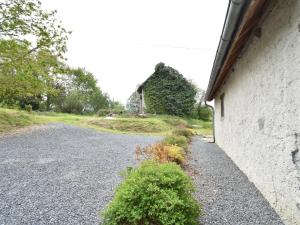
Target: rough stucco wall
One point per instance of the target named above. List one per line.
(261, 127)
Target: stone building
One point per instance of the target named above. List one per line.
(255, 85)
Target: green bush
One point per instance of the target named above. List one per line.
(73, 103)
(201, 113)
(154, 194)
(180, 141)
(28, 108)
(183, 132)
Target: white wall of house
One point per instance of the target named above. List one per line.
(260, 129)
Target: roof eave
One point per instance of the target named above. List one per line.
(239, 28)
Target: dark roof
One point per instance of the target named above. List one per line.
(247, 22)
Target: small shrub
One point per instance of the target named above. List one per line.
(161, 153)
(175, 154)
(154, 194)
(184, 132)
(180, 141)
(28, 108)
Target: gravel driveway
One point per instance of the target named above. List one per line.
(227, 196)
(59, 174)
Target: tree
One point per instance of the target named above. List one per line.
(32, 43)
(201, 111)
(166, 91)
(32, 68)
(116, 106)
(81, 85)
(28, 78)
(25, 21)
(134, 102)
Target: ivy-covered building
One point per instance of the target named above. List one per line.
(166, 91)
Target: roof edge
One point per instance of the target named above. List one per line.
(235, 11)
(241, 27)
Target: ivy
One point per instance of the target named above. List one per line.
(167, 92)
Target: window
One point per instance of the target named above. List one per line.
(222, 104)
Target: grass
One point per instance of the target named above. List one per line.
(200, 127)
(11, 120)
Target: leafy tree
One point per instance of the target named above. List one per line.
(166, 91)
(201, 111)
(82, 85)
(98, 100)
(24, 19)
(32, 42)
(32, 69)
(74, 102)
(116, 105)
(28, 78)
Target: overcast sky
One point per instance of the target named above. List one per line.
(121, 41)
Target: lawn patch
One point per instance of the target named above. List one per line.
(10, 120)
(135, 125)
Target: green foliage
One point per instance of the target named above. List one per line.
(168, 92)
(73, 103)
(154, 194)
(130, 125)
(26, 80)
(117, 106)
(180, 141)
(21, 19)
(79, 93)
(32, 44)
(175, 121)
(10, 120)
(201, 113)
(183, 132)
(28, 108)
(200, 110)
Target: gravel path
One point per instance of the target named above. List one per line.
(59, 174)
(226, 194)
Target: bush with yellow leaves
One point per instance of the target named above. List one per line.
(161, 153)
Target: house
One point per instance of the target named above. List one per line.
(167, 91)
(255, 85)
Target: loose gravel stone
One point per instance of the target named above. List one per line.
(62, 174)
(226, 194)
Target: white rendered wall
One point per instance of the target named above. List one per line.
(261, 127)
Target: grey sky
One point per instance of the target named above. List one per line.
(121, 41)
